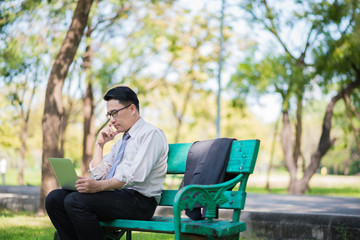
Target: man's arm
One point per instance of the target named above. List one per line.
(105, 135)
(89, 185)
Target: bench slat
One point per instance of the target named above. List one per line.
(157, 224)
(177, 157)
(236, 199)
(242, 156)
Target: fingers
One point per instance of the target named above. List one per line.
(110, 131)
(82, 183)
(113, 128)
(107, 134)
(85, 185)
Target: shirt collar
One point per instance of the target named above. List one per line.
(135, 128)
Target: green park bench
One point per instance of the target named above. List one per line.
(242, 162)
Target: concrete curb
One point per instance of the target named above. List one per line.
(20, 198)
(19, 202)
(301, 226)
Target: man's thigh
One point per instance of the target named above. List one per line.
(107, 205)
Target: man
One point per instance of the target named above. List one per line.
(136, 173)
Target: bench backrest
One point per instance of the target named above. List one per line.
(242, 160)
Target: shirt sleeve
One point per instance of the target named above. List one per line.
(101, 171)
(139, 162)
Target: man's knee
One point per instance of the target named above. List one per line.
(73, 200)
(53, 198)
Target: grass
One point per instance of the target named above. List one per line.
(31, 177)
(25, 226)
(332, 191)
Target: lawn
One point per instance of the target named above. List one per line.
(25, 226)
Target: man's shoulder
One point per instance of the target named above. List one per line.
(149, 127)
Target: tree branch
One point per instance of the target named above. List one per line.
(273, 30)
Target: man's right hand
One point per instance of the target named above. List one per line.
(106, 134)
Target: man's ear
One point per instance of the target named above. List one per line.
(133, 108)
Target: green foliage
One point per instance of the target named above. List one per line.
(8, 132)
(338, 57)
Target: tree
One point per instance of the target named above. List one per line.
(89, 135)
(186, 49)
(53, 100)
(291, 74)
(338, 63)
(22, 73)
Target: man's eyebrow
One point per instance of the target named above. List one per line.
(111, 111)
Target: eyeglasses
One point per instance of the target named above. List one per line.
(114, 113)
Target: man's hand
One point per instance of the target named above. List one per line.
(107, 134)
(88, 185)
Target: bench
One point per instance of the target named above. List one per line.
(242, 160)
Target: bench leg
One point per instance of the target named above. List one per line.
(56, 236)
(111, 234)
(128, 235)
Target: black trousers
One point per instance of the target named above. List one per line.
(76, 215)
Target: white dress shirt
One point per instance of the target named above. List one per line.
(144, 163)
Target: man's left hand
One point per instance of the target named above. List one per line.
(87, 185)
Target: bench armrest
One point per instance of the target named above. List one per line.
(205, 195)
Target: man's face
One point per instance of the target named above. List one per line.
(122, 120)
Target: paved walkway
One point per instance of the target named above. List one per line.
(254, 202)
(303, 204)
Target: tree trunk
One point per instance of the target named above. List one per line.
(63, 126)
(22, 153)
(350, 111)
(267, 186)
(325, 142)
(287, 145)
(53, 108)
(24, 134)
(298, 129)
(89, 135)
(89, 129)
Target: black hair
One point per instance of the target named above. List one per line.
(124, 95)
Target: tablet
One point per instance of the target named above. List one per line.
(65, 172)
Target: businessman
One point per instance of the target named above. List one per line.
(126, 183)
